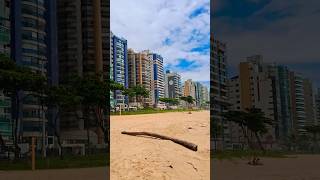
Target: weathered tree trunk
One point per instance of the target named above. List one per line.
(186, 144)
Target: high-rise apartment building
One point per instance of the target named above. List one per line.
(5, 27)
(6, 121)
(205, 94)
(84, 48)
(173, 85)
(218, 88)
(317, 106)
(158, 77)
(298, 110)
(198, 93)
(140, 72)
(132, 74)
(118, 67)
(5, 102)
(254, 88)
(189, 88)
(286, 122)
(309, 102)
(33, 45)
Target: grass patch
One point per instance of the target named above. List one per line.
(241, 154)
(97, 160)
(149, 111)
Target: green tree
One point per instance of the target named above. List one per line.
(254, 121)
(94, 94)
(170, 101)
(113, 86)
(239, 118)
(189, 100)
(60, 98)
(14, 80)
(141, 93)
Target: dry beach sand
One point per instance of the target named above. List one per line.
(134, 157)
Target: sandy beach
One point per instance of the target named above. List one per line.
(301, 167)
(148, 158)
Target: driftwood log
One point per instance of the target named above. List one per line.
(186, 144)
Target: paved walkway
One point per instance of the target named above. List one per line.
(302, 167)
(57, 174)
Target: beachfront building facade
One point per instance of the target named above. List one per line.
(119, 68)
(205, 98)
(198, 93)
(298, 103)
(257, 90)
(34, 45)
(140, 73)
(317, 106)
(218, 91)
(309, 102)
(84, 49)
(189, 88)
(6, 121)
(158, 78)
(173, 87)
(5, 27)
(286, 123)
(5, 102)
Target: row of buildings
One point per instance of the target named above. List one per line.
(146, 68)
(62, 38)
(285, 96)
(57, 39)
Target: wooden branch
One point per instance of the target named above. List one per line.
(186, 144)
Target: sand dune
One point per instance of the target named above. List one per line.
(148, 158)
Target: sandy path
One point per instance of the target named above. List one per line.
(57, 174)
(147, 158)
(303, 167)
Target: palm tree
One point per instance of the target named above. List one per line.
(254, 121)
(239, 118)
(189, 100)
(258, 124)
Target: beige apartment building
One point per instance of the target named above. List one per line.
(140, 72)
(252, 88)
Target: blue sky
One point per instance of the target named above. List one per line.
(178, 30)
(283, 31)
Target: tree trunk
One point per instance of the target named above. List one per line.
(56, 133)
(87, 116)
(259, 141)
(186, 144)
(246, 136)
(15, 138)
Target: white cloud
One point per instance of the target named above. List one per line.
(147, 23)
